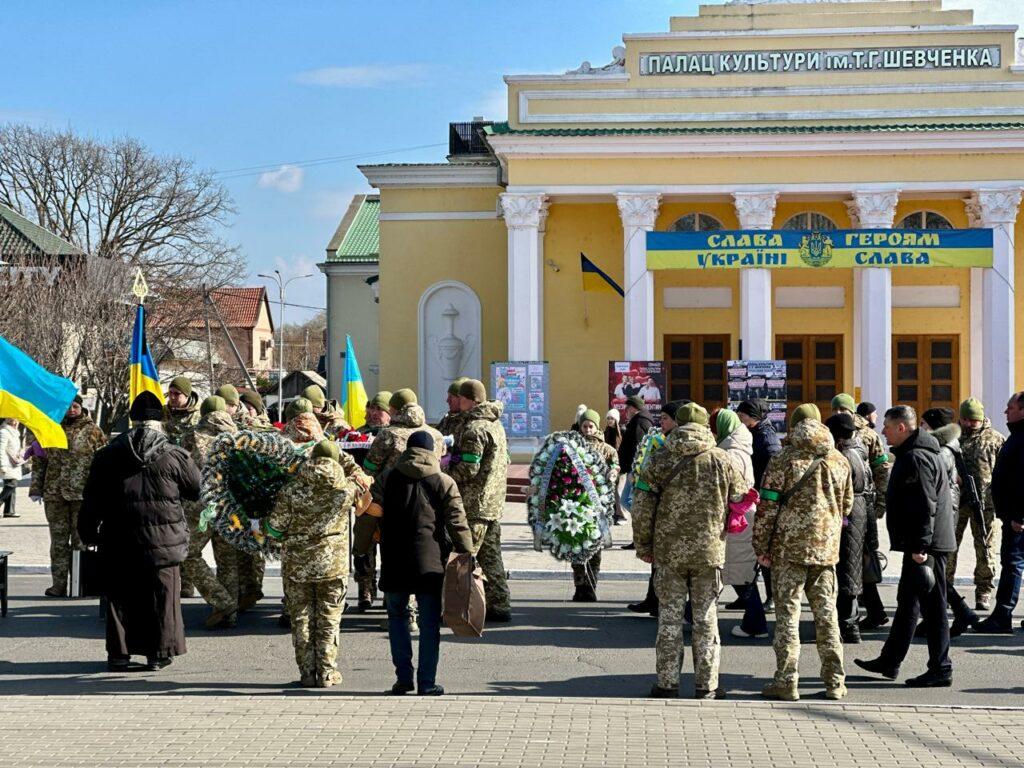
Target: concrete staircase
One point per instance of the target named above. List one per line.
(518, 483)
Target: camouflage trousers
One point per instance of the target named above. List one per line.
(789, 582)
(673, 587)
(585, 574)
(251, 568)
(985, 549)
(199, 573)
(366, 574)
(62, 518)
(487, 543)
(315, 609)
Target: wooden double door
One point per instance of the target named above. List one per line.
(926, 371)
(814, 369)
(696, 368)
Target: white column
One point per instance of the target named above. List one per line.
(851, 208)
(977, 323)
(998, 208)
(638, 211)
(756, 210)
(876, 210)
(523, 214)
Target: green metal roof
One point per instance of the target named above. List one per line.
(21, 237)
(503, 129)
(360, 243)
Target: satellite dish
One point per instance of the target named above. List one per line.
(619, 52)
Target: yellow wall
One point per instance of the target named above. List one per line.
(440, 199)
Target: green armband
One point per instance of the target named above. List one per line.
(471, 458)
(880, 460)
(272, 531)
(769, 495)
(367, 464)
(640, 485)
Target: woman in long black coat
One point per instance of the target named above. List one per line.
(132, 509)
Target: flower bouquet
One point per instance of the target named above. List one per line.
(243, 474)
(355, 441)
(571, 504)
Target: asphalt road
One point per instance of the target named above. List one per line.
(553, 648)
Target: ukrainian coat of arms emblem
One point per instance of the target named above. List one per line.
(816, 249)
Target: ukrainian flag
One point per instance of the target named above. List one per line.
(353, 393)
(34, 396)
(596, 281)
(144, 377)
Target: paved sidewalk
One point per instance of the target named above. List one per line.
(307, 730)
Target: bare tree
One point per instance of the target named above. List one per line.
(304, 343)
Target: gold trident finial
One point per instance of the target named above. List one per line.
(139, 288)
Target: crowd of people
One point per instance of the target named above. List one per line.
(716, 499)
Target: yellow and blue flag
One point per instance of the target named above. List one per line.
(595, 280)
(353, 393)
(34, 396)
(144, 377)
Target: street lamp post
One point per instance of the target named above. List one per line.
(281, 285)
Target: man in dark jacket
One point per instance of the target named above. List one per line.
(921, 525)
(754, 415)
(1008, 498)
(132, 509)
(423, 522)
(638, 423)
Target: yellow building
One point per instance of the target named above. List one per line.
(756, 116)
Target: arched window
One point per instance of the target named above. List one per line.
(925, 220)
(816, 222)
(696, 222)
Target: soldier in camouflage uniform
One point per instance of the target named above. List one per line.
(449, 423)
(311, 519)
(221, 591)
(806, 492)
(480, 468)
(680, 506)
(979, 444)
(232, 400)
(328, 412)
(58, 479)
(377, 418)
(182, 409)
(252, 413)
(584, 575)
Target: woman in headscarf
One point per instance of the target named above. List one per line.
(736, 440)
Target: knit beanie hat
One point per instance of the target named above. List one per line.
(181, 383)
(328, 449)
(691, 413)
(755, 409)
(315, 394)
(592, 416)
(453, 388)
(252, 398)
(671, 409)
(580, 410)
(402, 398)
(229, 393)
(146, 407)
(635, 401)
(614, 415)
(380, 400)
(211, 404)
(844, 401)
(726, 423)
(865, 409)
(802, 412)
(78, 399)
(473, 390)
(297, 406)
(938, 417)
(421, 439)
(971, 409)
(841, 426)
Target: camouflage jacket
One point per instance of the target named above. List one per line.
(390, 441)
(332, 419)
(305, 431)
(450, 423)
(980, 448)
(480, 462)
(198, 440)
(62, 472)
(180, 421)
(879, 460)
(806, 530)
(609, 454)
(310, 517)
(258, 423)
(681, 519)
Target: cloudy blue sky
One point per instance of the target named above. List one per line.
(254, 89)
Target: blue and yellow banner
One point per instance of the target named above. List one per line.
(840, 248)
(353, 393)
(34, 396)
(144, 377)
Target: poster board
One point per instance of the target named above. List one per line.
(524, 389)
(644, 378)
(759, 380)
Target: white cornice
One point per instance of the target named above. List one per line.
(745, 145)
(429, 175)
(831, 188)
(827, 32)
(364, 269)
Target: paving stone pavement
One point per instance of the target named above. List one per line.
(307, 730)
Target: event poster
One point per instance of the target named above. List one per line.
(759, 380)
(523, 390)
(645, 379)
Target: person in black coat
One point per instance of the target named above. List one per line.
(638, 423)
(132, 510)
(921, 524)
(754, 415)
(1008, 497)
(423, 522)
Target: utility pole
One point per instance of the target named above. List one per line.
(209, 336)
(281, 285)
(305, 352)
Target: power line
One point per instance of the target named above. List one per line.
(255, 170)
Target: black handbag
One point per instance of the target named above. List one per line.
(873, 567)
